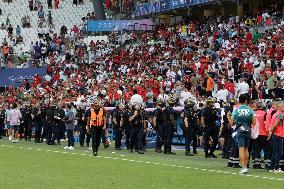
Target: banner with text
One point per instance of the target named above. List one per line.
(165, 5)
(116, 25)
(15, 76)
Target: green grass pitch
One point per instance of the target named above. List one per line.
(37, 166)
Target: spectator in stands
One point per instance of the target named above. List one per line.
(49, 4)
(18, 30)
(75, 2)
(56, 4)
(0, 12)
(31, 5)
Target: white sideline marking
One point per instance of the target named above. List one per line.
(154, 163)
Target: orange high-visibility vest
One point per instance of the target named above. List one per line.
(97, 119)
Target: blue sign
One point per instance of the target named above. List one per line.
(165, 5)
(15, 76)
(115, 25)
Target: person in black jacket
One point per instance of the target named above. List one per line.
(117, 119)
(158, 122)
(43, 109)
(37, 121)
(27, 121)
(170, 117)
(190, 123)
(82, 125)
(2, 120)
(209, 117)
(137, 121)
(50, 125)
(126, 125)
(59, 115)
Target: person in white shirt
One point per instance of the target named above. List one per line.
(243, 87)
(162, 96)
(136, 98)
(15, 116)
(222, 95)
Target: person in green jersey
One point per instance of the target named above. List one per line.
(243, 117)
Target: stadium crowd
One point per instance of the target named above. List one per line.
(209, 65)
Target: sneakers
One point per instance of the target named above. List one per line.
(243, 171)
(271, 171)
(10, 138)
(69, 148)
(14, 141)
(278, 171)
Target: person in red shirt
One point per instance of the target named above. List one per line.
(261, 140)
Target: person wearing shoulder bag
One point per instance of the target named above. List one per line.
(244, 117)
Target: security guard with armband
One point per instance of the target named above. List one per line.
(190, 121)
(209, 116)
(158, 122)
(170, 117)
(96, 124)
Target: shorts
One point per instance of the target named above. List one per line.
(15, 127)
(8, 126)
(243, 140)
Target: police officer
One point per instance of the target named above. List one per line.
(50, 125)
(27, 121)
(190, 121)
(226, 130)
(158, 122)
(37, 121)
(43, 109)
(138, 123)
(82, 124)
(209, 116)
(170, 116)
(2, 120)
(59, 115)
(126, 124)
(96, 124)
(117, 119)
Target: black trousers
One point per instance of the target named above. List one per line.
(210, 132)
(160, 135)
(168, 135)
(136, 137)
(21, 130)
(49, 132)
(28, 129)
(263, 144)
(127, 136)
(188, 136)
(38, 128)
(83, 135)
(228, 139)
(70, 136)
(96, 134)
(57, 131)
(118, 136)
(44, 130)
(62, 131)
(1, 130)
(234, 155)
